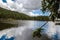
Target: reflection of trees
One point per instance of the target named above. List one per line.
(6, 25)
(43, 37)
(38, 31)
(52, 6)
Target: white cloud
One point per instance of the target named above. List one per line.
(30, 4)
(31, 14)
(3, 5)
(24, 6)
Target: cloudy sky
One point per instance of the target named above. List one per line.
(29, 7)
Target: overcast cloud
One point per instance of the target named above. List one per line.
(25, 6)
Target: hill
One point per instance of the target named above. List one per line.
(6, 14)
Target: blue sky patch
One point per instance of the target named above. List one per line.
(41, 13)
(4, 1)
(13, 0)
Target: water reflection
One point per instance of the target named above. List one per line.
(4, 37)
(25, 29)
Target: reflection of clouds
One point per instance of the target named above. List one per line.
(58, 30)
(24, 32)
(51, 29)
(26, 23)
(20, 33)
(8, 32)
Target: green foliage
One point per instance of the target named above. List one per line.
(53, 17)
(11, 14)
(37, 33)
(52, 6)
(7, 14)
(42, 18)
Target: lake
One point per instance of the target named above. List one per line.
(25, 29)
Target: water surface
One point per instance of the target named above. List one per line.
(25, 29)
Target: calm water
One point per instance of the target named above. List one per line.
(25, 29)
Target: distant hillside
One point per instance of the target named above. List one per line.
(12, 14)
(42, 18)
(4, 13)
